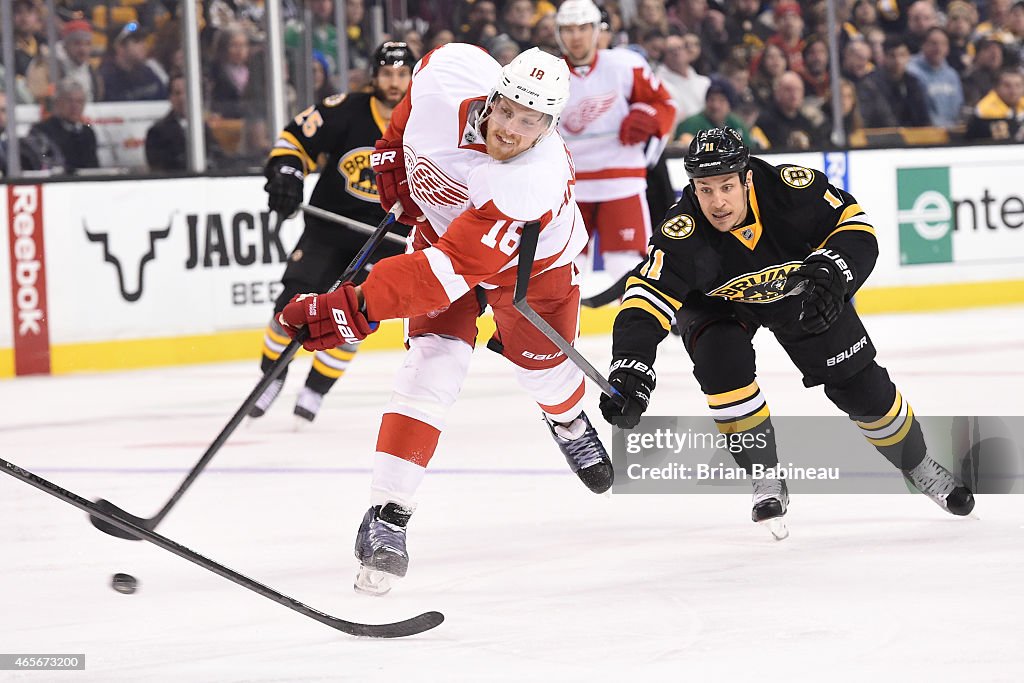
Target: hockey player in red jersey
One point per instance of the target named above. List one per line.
(470, 170)
(617, 106)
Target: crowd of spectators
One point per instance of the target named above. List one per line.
(763, 66)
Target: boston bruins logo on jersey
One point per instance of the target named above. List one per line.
(678, 228)
(355, 168)
(761, 287)
(797, 176)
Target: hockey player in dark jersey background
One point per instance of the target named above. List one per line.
(752, 245)
(344, 129)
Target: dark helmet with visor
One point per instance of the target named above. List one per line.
(716, 151)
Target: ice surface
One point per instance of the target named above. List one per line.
(539, 579)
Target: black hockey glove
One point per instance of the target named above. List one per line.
(284, 188)
(635, 380)
(823, 280)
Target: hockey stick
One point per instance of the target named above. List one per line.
(398, 629)
(276, 369)
(527, 252)
(348, 222)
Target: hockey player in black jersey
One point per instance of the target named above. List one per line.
(342, 128)
(752, 245)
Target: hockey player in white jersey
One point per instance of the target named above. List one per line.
(617, 106)
(470, 170)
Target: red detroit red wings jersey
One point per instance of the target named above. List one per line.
(599, 99)
(475, 206)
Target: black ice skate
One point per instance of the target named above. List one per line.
(771, 499)
(308, 405)
(939, 484)
(380, 548)
(266, 398)
(584, 452)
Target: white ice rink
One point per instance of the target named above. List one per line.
(538, 579)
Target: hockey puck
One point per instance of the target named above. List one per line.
(124, 583)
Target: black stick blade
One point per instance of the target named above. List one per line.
(399, 629)
(114, 511)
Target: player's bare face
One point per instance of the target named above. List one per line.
(390, 84)
(512, 129)
(723, 200)
(578, 42)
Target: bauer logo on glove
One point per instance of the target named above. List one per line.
(333, 319)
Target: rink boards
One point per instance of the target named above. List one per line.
(136, 273)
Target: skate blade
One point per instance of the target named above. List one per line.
(372, 582)
(301, 424)
(777, 527)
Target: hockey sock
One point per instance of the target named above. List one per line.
(743, 416)
(274, 342)
(329, 366)
(896, 434)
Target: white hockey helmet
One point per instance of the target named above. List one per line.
(535, 79)
(577, 13)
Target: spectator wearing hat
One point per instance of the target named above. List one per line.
(72, 52)
(683, 83)
(789, 24)
(941, 83)
(989, 58)
(1000, 113)
(28, 40)
(322, 85)
(890, 96)
(67, 127)
(718, 104)
(124, 73)
(961, 18)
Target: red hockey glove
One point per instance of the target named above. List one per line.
(640, 124)
(388, 163)
(333, 319)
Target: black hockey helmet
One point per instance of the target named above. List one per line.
(393, 53)
(716, 151)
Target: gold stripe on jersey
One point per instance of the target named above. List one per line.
(749, 235)
(378, 118)
(645, 305)
(288, 144)
(675, 304)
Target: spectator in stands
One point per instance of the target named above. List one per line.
(783, 123)
(166, 142)
(717, 112)
(737, 74)
(941, 83)
(853, 124)
(482, 14)
(36, 151)
(517, 23)
(745, 29)
(981, 77)
(698, 60)
(28, 38)
(650, 16)
(359, 47)
(875, 37)
(1017, 28)
(765, 69)
(322, 85)
(863, 16)
(891, 97)
(999, 114)
(921, 17)
(436, 38)
(789, 34)
(815, 68)
(503, 49)
(997, 23)
(68, 129)
(544, 34)
(124, 73)
(73, 54)
(237, 89)
(323, 32)
(961, 18)
(697, 17)
(414, 40)
(687, 87)
(652, 47)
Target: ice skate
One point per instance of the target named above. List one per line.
(771, 499)
(266, 398)
(307, 406)
(584, 452)
(380, 548)
(939, 484)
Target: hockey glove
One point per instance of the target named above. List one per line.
(635, 380)
(823, 280)
(333, 318)
(388, 163)
(284, 188)
(640, 124)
